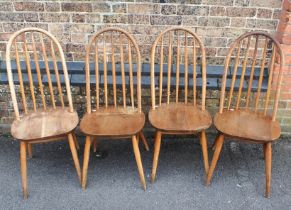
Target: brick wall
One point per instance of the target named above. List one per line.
(284, 37)
(217, 22)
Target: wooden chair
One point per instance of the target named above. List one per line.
(183, 114)
(250, 117)
(52, 119)
(111, 117)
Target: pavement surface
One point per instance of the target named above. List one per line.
(113, 181)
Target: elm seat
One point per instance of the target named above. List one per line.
(44, 124)
(180, 117)
(248, 125)
(113, 122)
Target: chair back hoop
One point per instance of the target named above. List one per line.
(182, 46)
(245, 51)
(37, 47)
(119, 47)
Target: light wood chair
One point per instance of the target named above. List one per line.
(251, 116)
(111, 117)
(39, 117)
(182, 114)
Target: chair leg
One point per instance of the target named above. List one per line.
(74, 154)
(214, 143)
(157, 147)
(76, 141)
(216, 154)
(268, 163)
(23, 167)
(86, 161)
(144, 141)
(29, 147)
(138, 161)
(203, 142)
(95, 142)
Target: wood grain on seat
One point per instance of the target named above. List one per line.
(109, 119)
(113, 122)
(40, 120)
(182, 52)
(244, 114)
(44, 124)
(247, 124)
(179, 117)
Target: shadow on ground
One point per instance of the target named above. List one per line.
(113, 182)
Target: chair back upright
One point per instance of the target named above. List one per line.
(39, 78)
(178, 52)
(113, 58)
(250, 64)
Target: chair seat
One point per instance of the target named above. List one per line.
(44, 124)
(180, 117)
(110, 122)
(247, 125)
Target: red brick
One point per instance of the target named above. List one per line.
(28, 6)
(240, 12)
(287, 5)
(284, 27)
(285, 16)
(52, 7)
(286, 39)
(286, 49)
(265, 3)
(285, 96)
(5, 36)
(78, 18)
(119, 8)
(217, 11)
(54, 17)
(77, 7)
(264, 13)
(101, 7)
(287, 59)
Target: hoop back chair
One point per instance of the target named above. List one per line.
(118, 116)
(42, 112)
(178, 52)
(250, 116)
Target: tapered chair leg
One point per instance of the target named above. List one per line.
(95, 142)
(268, 162)
(76, 141)
(138, 161)
(203, 142)
(216, 154)
(157, 147)
(29, 147)
(23, 167)
(144, 141)
(86, 161)
(75, 155)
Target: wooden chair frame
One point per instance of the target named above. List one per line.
(267, 143)
(109, 109)
(159, 132)
(24, 143)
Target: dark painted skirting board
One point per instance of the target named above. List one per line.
(76, 72)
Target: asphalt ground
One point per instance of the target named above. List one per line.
(113, 181)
